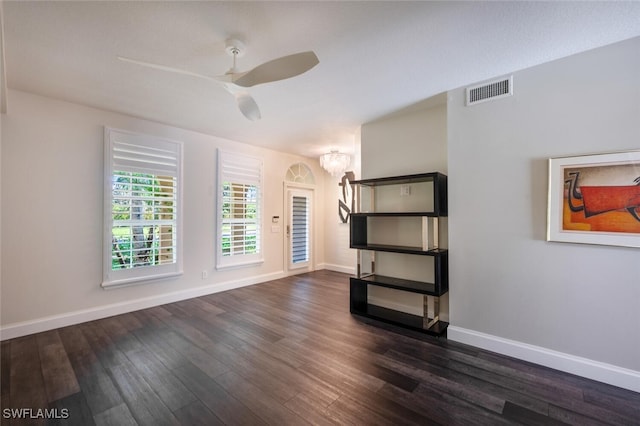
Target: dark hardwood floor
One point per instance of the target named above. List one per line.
(283, 352)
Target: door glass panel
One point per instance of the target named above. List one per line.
(300, 230)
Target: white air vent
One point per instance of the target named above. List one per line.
(489, 91)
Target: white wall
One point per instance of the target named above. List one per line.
(338, 256)
(1, 121)
(409, 142)
(569, 306)
(52, 171)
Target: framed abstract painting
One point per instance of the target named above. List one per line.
(595, 199)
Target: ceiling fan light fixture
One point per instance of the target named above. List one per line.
(335, 162)
(235, 82)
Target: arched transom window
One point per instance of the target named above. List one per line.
(300, 173)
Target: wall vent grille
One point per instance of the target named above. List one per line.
(489, 91)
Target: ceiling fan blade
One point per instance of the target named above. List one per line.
(247, 105)
(171, 69)
(278, 69)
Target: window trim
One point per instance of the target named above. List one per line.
(244, 260)
(126, 277)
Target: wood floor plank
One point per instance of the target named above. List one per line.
(611, 400)
(471, 394)
(544, 393)
(527, 417)
(215, 332)
(196, 414)
(566, 416)
(100, 391)
(339, 381)
(168, 388)
(26, 382)
(209, 365)
(265, 334)
(5, 374)
(286, 329)
(145, 405)
(245, 332)
(236, 361)
(102, 346)
(312, 407)
(366, 362)
(442, 408)
(187, 331)
(71, 410)
(200, 306)
(98, 388)
(558, 388)
(261, 403)
(152, 317)
(178, 310)
(129, 321)
(159, 377)
(383, 406)
(346, 410)
(58, 375)
(154, 341)
(113, 327)
(602, 403)
(277, 352)
(118, 415)
(292, 379)
(470, 383)
(221, 403)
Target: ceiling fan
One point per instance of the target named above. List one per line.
(235, 81)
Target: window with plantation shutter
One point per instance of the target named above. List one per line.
(239, 210)
(142, 208)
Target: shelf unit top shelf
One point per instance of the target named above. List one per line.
(401, 180)
(396, 214)
(399, 249)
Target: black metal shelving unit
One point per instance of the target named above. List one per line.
(359, 239)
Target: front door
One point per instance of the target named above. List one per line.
(299, 229)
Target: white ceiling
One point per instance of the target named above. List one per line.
(375, 57)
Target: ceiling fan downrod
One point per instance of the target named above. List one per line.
(235, 49)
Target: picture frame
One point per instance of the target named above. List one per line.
(595, 199)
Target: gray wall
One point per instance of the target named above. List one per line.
(506, 280)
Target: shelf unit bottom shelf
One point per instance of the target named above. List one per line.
(403, 319)
(358, 296)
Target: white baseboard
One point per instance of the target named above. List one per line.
(595, 370)
(338, 268)
(24, 328)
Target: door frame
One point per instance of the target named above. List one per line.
(288, 186)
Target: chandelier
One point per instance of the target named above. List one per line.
(335, 162)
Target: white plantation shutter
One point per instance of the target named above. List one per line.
(239, 233)
(300, 230)
(142, 208)
(144, 155)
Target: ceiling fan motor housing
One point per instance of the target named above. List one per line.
(234, 48)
